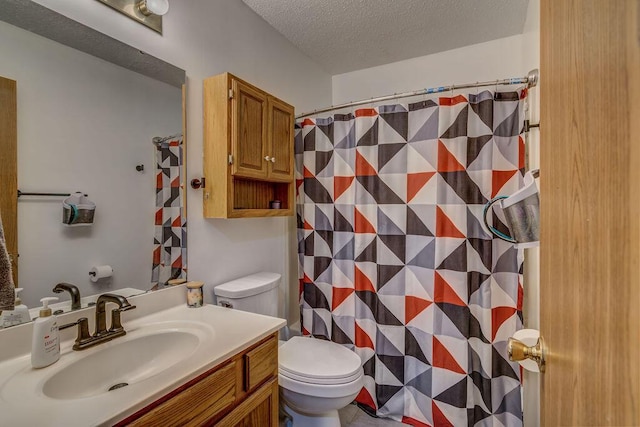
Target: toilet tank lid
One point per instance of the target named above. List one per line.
(248, 286)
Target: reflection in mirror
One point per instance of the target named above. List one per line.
(87, 125)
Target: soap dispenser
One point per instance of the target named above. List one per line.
(45, 345)
(20, 313)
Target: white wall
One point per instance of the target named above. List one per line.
(83, 125)
(208, 37)
(507, 57)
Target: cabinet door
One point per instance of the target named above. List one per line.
(260, 409)
(281, 140)
(248, 131)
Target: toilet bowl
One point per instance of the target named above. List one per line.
(316, 377)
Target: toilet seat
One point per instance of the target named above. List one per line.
(321, 390)
(318, 362)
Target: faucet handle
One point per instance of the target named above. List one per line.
(116, 325)
(83, 332)
(125, 308)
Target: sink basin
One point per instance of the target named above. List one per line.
(120, 363)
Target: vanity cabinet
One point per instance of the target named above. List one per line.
(242, 391)
(248, 150)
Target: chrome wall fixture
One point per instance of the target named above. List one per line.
(146, 12)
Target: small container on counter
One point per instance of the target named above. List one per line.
(194, 294)
(174, 282)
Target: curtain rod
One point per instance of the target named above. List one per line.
(531, 80)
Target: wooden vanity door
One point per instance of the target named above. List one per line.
(248, 131)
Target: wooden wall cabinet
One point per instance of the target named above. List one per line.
(241, 392)
(248, 150)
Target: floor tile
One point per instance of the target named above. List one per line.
(362, 419)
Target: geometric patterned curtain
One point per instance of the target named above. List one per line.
(170, 241)
(394, 261)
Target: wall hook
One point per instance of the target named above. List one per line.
(197, 183)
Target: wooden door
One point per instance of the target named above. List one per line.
(281, 119)
(9, 169)
(248, 131)
(590, 211)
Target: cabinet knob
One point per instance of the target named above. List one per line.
(273, 160)
(267, 158)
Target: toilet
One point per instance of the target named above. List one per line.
(316, 377)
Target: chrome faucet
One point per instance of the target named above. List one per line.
(102, 334)
(73, 290)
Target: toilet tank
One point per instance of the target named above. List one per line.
(257, 293)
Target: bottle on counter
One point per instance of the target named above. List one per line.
(19, 314)
(45, 345)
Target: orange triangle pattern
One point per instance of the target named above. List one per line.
(177, 263)
(339, 295)
(362, 224)
(415, 182)
(365, 398)
(307, 173)
(414, 306)
(443, 359)
(498, 316)
(452, 101)
(366, 112)
(363, 168)
(442, 292)
(362, 339)
(362, 282)
(499, 179)
(445, 227)
(447, 161)
(340, 185)
(520, 297)
(521, 152)
(439, 419)
(414, 422)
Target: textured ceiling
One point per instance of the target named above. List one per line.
(348, 35)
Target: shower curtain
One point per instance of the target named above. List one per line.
(170, 241)
(394, 261)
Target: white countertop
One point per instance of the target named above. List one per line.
(22, 403)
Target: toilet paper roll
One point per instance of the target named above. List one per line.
(100, 272)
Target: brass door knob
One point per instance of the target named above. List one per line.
(519, 351)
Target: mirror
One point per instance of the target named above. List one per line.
(87, 125)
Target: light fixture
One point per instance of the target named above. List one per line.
(154, 7)
(146, 12)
